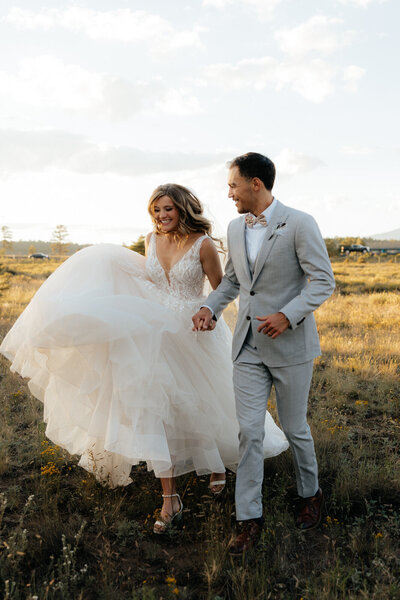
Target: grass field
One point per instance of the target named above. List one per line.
(64, 536)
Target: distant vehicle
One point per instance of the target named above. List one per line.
(354, 248)
(39, 255)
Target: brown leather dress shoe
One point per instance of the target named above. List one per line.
(247, 539)
(310, 511)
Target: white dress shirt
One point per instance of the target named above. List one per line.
(255, 235)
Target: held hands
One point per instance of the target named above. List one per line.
(273, 325)
(203, 321)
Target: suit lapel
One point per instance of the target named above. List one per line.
(240, 246)
(278, 216)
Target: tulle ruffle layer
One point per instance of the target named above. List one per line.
(122, 377)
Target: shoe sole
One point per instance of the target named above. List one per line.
(303, 530)
(317, 524)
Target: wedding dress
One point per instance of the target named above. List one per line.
(107, 346)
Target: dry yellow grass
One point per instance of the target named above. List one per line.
(362, 328)
(355, 419)
(360, 277)
(19, 281)
(15, 298)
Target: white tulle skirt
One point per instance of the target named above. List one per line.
(122, 377)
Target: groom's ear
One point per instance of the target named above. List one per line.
(256, 184)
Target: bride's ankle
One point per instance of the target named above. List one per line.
(170, 505)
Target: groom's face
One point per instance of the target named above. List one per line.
(241, 191)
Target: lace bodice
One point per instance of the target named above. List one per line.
(185, 279)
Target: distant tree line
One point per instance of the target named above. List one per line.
(333, 244)
(138, 246)
(6, 239)
(59, 244)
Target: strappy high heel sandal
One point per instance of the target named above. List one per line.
(161, 525)
(214, 484)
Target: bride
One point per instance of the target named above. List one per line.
(107, 346)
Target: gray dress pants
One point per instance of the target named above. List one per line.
(252, 381)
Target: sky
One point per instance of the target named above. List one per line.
(103, 100)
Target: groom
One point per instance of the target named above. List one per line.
(279, 267)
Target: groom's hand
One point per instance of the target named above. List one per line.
(273, 325)
(202, 320)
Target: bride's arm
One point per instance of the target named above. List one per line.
(211, 263)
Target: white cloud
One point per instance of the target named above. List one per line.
(312, 79)
(40, 150)
(47, 82)
(264, 8)
(317, 34)
(360, 150)
(123, 25)
(254, 72)
(362, 3)
(218, 3)
(351, 77)
(289, 162)
(178, 101)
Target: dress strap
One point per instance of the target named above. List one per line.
(152, 243)
(199, 242)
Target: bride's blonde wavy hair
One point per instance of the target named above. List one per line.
(191, 218)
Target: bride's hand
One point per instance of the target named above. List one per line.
(202, 320)
(212, 325)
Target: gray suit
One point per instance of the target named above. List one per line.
(293, 275)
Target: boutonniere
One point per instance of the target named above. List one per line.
(278, 229)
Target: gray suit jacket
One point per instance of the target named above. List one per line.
(292, 275)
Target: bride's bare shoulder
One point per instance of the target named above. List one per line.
(208, 248)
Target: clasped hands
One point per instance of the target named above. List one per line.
(203, 320)
(271, 325)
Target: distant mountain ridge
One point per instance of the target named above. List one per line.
(389, 235)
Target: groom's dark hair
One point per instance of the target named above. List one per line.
(252, 165)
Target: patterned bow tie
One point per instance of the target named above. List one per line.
(251, 220)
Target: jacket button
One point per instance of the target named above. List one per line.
(252, 293)
(248, 318)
